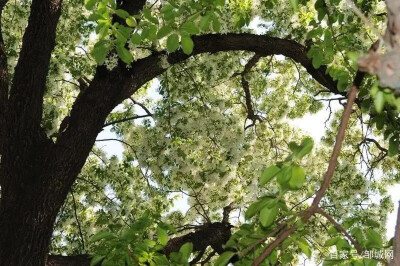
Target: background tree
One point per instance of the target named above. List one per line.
(202, 105)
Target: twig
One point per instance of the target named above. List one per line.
(125, 119)
(208, 258)
(376, 144)
(341, 229)
(198, 257)
(77, 220)
(141, 105)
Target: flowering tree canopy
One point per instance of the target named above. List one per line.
(201, 95)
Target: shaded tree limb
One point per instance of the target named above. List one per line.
(376, 144)
(226, 212)
(59, 260)
(246, 88)
(214, 235)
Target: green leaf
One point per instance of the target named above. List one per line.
(136, 39)
(295, 4)
(152, 36)
(379, 101)
(268, 174)
(332, 241)
(167, 9)
(219, 2)
(149, 17)
(122, 34)
(186, 250)
(314, 33)
(370, 262)
(342, 244)
(216, 24)
(96, 260)
(287, 258)
(374, 239)
(172, 43)
(95, 17)
(189, 27)
(273, 258)
(101, 235)
(131, 22)
(122, 13)
(187, 44)
(204, 23)
(303, 245)
(321, 13)
(268, 215)
(170, 16)
(372, 223)
(317, 58)
(256, 207)
(160, 260)
(332, 230)
(298, 177)
(305, 147)
(100, 51)
(163, 31)
(89, 4)
(124, 54)
(162, 235)
(224, 258)
(380, 121)
(284, 176)
(393, 147)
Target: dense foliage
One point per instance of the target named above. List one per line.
(216, 130)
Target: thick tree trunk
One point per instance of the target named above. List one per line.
(26, 224)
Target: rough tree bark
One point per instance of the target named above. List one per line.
(36, 173)
(25, 223)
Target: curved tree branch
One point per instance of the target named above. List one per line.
(109, 88)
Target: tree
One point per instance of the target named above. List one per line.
(217, 127)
